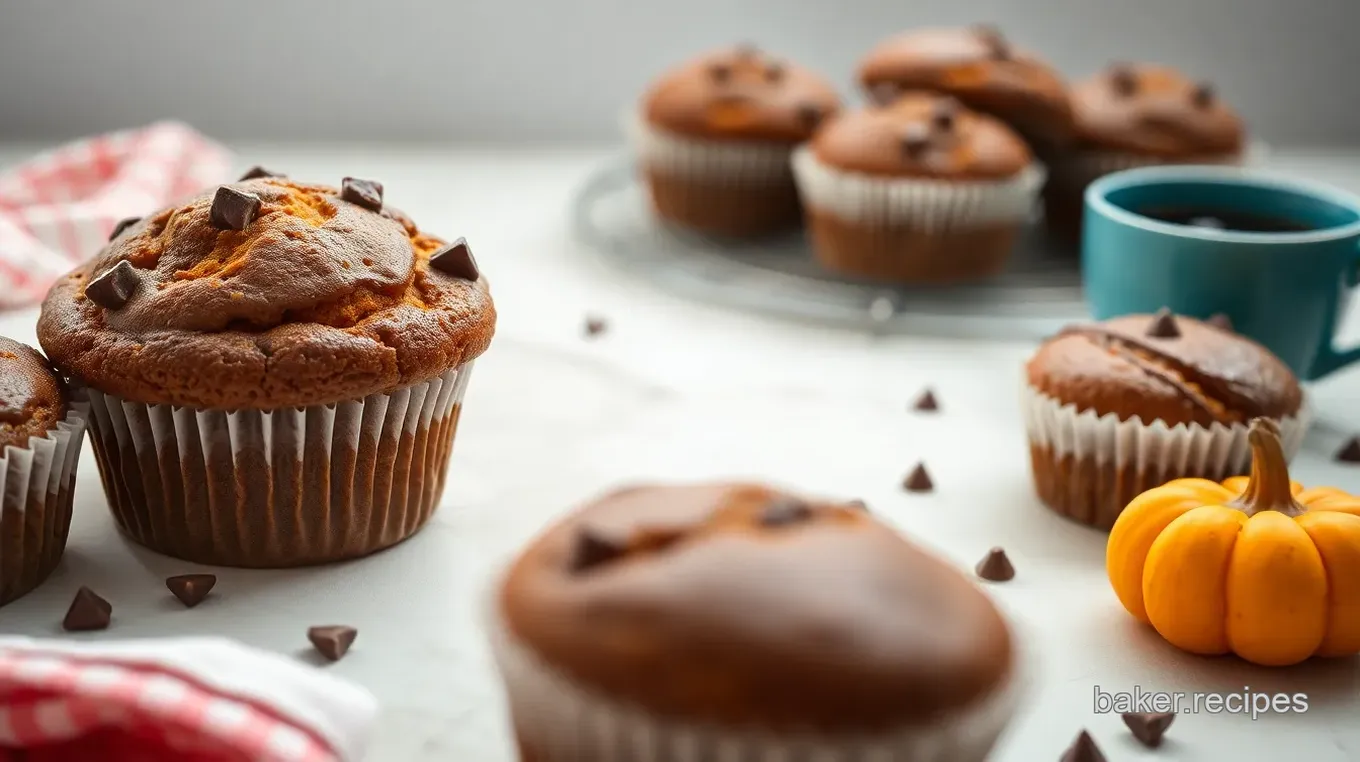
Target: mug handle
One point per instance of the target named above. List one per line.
(1328, 359)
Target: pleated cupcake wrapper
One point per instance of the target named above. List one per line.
(565, 723)
(275, 488)
(36, 486)
(707, 161)
(923, 204)
(1085, 167)
(1216, 451)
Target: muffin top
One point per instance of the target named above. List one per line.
(1163, 367)
(743, 604)
(979, 66)
(924, 135)
(268, 293)
(740, 94)
(32, 398)
(1155, 111)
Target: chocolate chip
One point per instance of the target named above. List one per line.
(191, 589)
(1163, 325)
(946, 114)
(593, 549)
(365, 193)
(114, 287)
(918, 480)
(595, 326)
(258, 171)
(233, 209)
(784, 510)
(719, 72)
(926, 403)
(915, 140)
(810, 115)
(1083, 749)
(87, 612)
(1203, 95)
(1350, 453)
(995, 566)
(774, 71)
(333, 640)
(122, 225)
(884, 93)
(1220, 321)
(456, 260)
(1123, 80)
(1148, 727)
(996, 43)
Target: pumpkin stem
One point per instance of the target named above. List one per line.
(1268, 487)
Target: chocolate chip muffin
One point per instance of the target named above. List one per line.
(981, 68)
(713, 139)
(40, 436)
(923, 190)
(1114, 409)
(276, 370)
(741, 618)
(1134, 115)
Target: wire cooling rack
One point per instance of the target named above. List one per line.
(1038, 294)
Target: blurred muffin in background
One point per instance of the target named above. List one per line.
(714, 136)
(920, 191)
(981, 68)
(1133, 115)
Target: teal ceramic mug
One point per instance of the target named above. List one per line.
(1278, 256)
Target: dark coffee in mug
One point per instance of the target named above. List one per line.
(1225, 219)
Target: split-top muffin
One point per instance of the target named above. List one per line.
(336, 334)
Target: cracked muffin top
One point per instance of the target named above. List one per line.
(1164, 367)
(268, 293)
(32, 399)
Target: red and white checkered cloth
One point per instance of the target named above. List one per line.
(57, 209)
(189, 700)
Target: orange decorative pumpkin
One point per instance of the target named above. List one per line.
(1256, 566)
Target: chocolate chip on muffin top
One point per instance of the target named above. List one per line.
(1156, 111)
(925, 135)
(32, 398)
(266, 293)
(740, 94)
(744, 604)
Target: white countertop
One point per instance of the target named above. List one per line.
(677, 390)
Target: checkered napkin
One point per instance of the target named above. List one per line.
(57, 209)
(189, 700)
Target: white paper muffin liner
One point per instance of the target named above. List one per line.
(707, 161)
(277, 488)
(924, 204)
(36, 486)
(567, 723)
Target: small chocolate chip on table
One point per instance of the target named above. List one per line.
(233, 209)
(595, 325)
(785, 510)
(1083, 749)
(1350, 452)
(1148, 727)
(332, 641)
(191, 589)
(456, 260)
(365, 193)
(918, 480)
(926, 403)
(114, 287)
(122, 225)
(88, 612)
(995, 567)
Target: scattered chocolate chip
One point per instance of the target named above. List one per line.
(918, 480)
(365, 193)
(810, 114)
(995, 566)
(87, 612)
(884, 93)
(719, 72)
(112, 289)
(915, 140)
(595, 326)
(332, 641)
(785, 510)
(775, 71)
(257, 171)
(1220, 321)
(1350, 453)
(1123, 80)
(1083, 749)
(191, 589)
(1203, 95)
(233, 209)
(926, 403)
(592, 549)
(1148, 727)
(456, 260)
(946, 114)
(859, 505)
(122, 225)
(1163, 325)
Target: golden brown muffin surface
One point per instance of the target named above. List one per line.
(32, 398)
(1202, 376)
(922, 135)
(1155, 111)
(742, 604)
(979, 66)
(317, 300)
(740, 94)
